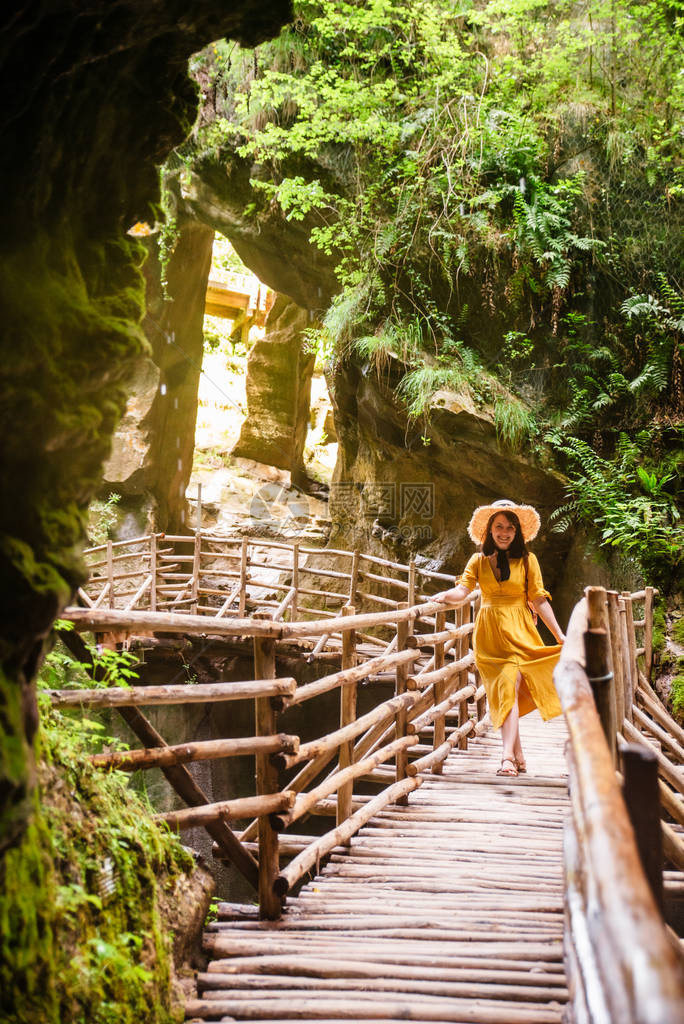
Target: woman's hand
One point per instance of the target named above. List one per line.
(546, 614)
(453, 596)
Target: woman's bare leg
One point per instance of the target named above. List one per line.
(520, 685)
(510, 731)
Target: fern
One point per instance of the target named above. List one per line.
(542, 229)
(376, 349)
(655, 375)
(514, 423)
(626, 502)
(417, 387)
(653, 311)
(580, 410)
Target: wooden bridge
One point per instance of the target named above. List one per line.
(240, 298)
(439, 892)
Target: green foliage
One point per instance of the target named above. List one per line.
(102, 518)
(610, 495)
(169, 232)
(677, 695)
(225, 258)
(543, 232)
(659, 629)
(218, 338)
(456, 368)
(417, 387)
(517, 348)
(678, 631)
(81, 937)
(504, 170)
(60, 671)
(515, 424)
(399, 99)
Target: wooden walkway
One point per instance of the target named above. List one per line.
(448, 909)
(451, 908)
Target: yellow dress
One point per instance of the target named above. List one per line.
(506, 641)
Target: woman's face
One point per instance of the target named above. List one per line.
(503, 532)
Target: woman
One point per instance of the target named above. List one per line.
(515, 666)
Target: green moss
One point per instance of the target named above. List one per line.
(678, 631)
(16, 761)
(81, 937)
(659, 629)
(677, 695)
(71, 314)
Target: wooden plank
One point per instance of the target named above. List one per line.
(345, 1008)
(478, 903)
(200, 750)
(301, 864)
(317, 966)
(665, 735)
(243, 807)
(155, 696)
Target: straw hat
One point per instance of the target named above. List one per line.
(528, 516)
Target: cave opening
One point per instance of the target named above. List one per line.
(265, 443)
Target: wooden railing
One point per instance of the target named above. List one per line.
(203, 574)
(435, 691)
(623, 963)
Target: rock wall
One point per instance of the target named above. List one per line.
(401, 488)
(94, 99)
(404, 489)
(279, 372)
(152, 448)
(217, 190)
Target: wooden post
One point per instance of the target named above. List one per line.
(412, 583)
(462, 648)
(199, 507)
(481, 703)
(642, 796)
(294, 610)
(600, 677)
(631, 648)
(439, 734)
(596, 607)
(153, 572)
(598, 618)
(348, 694)
(270, 906)
(401, 676)
(615, 630)
(110, 573)
(243, 578)
(354, 578)
(648, 633)
(194, 590)
(626, 671)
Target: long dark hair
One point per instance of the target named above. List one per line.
(518, 548)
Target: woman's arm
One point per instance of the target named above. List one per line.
(453, 596)
(543, 607)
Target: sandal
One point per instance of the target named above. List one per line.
(520, 765)
(512, 771)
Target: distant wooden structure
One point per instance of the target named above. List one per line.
(241, 298)
(480, 898)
